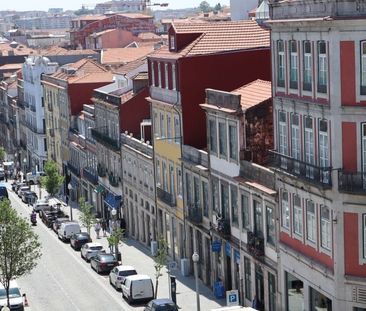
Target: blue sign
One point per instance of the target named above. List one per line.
(232, 297)
(219, 290)
(237, 256)
(228, 249)
(216, 246)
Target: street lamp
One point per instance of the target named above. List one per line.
(114, 225)
(25, 166)
(69, 186)
(196, 258)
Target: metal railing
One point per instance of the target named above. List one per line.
(352, 182)
(223, 227)
(90, 176)
(255, 244)
(309, 172)
(73, 169)
(166, 197)
(105, 140)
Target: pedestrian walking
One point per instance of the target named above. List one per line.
(104, 227)
(97, 229)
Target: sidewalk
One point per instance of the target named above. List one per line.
(139, 256)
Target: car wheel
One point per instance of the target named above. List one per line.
(130, 300)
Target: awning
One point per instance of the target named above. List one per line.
(113, 201)
(99, 189)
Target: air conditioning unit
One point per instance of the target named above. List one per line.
(154, 248)
(184, 266)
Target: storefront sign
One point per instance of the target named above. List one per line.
(216, 246)
(228, 249)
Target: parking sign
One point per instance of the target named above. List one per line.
(232, 298)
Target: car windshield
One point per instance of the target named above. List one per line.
(166, 307)
(107, 258)
(127, 273)
(96, 248)
(13, 293)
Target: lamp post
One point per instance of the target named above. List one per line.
(25, 167)
(196, 258)
(69, 186)
(114, 226)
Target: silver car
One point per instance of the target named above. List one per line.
(89, 250)
(118, 275)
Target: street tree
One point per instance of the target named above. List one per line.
(205, 7)
(53, 180)
(20, 248)
(115, 239)
(160, 261)
(218, 7)
(2, 153)
(87, 217)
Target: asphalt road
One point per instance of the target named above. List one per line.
(62, 281)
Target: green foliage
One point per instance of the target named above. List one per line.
(53, 180)
(205, 7)
(115, 239)
(160, 261)
(2, 153)
(20, 248)
(83, 11)
(87, 217)
(218, 7)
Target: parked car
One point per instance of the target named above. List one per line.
(22, 189)
(17, 186)
(103, 262)
(67, 229)
(2, 174)
(48, 217)
(77, 240)
(39, 205)
(13, 184)
(3, 192)
(119, 274)
(58, 221)
(34, 177)
(29, 197)
(88, 250)
(162, 304)
(137, 287)
(15, 297)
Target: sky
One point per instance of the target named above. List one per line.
(26, 5)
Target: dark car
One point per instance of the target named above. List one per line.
(77, 240)
(48, 217)
(3, 192)
(58, 221)
(18, 185)
(103, 262)
(29, 197)
(161, 305)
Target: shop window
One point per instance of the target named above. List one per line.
(295, 293)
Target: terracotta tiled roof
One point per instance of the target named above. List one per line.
(135, 15)
(117, 56)
(148, 36)
(61, 51)
(5, 48)
(220, 37)
(125, 69)
(254, 93)
(11, 66)
(89, 18)
(92, 78)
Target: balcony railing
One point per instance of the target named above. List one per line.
(102, 172)
(165, 95)
(223, 227)
(73, 169)
(113, 180)
(309, 172)
(166, 197)
(90, 176)
(195, 214)
(352, 182)
(255, 245)
(105, 140)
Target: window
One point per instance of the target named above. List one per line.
(153, 73)
(364, 234)
(282, 132)
(271, 292)
(174, 79)
(363, 68)
(188, 189)
(309, 146)
(176, 129)
(295, 293)
(293, 64)
(280, 64)
(270, 225)
(165, 176)
(319, 302)
(247, 279)
(222, 139)
(295, 141)
(285, 210)
(258, 218)
(245, 212)
(234, 206)
(363, 137)
(205, 198)
(322, 67)
(166, 76)
(310, 221)
(169, 127)
(326, 235)
(215, 194)
(297, 215)
(307, 66)
(179, 181)
(172, 42)
(158, 176)
(196, 191)
(171, 180)
(323, 150)
(225, 201)
(162, 124)
(213, 135)
(233, 143)
(159, 73)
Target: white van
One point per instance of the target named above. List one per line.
(15, 298)
(67, 229)
(137, 287)
(34, 177)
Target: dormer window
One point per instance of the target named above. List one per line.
(172, 42)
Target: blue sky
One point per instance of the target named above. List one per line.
(23, 5)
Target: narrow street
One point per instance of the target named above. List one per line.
(62, 280)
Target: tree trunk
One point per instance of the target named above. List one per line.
(156, 287)
(7, 295)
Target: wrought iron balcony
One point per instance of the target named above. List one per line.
(309, 172)
(195, 214)
(102, 172)
(166, 197)
(113, 180)
(75, 170)
(255, 245)
(105, 140)
(223, 227)
(90, 176)
(352, 182)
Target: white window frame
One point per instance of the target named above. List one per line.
(162, 124)
(363, 67)
(311, 223)
(223, 149)
(298, 219)
(285, 210)
(169, 127)
(308, 66)
(281, 63)
(214, 136)
(323, 142)
(309, 146)
(172, 42)
(282, 133)
(322, 68)
(325, 228)
(179, 181)
(363, 244)
(159, 74)
(174, 74)
(166, 76)
(295, 141)
(233, 142)
(363, 143)
(294, 70)
(157, 123)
